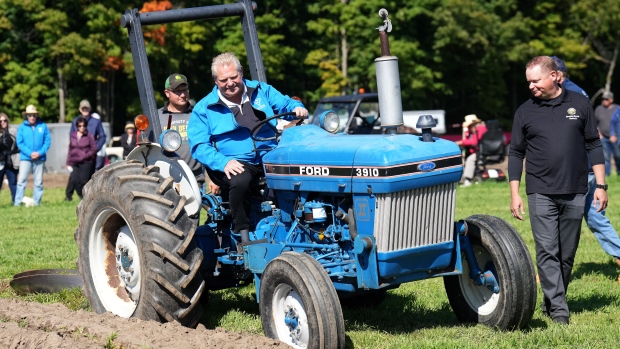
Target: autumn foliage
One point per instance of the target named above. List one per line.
(157, 33)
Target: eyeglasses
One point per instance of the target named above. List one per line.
(81, 125)
(180, 92)
(4, 120)
(31, 115)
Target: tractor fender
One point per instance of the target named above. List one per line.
(184, 180)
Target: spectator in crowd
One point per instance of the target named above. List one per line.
(598, 223)
(473, 129)
(178, 110)
(563, 78)
(8, 147)
(95, 128)
(128, 139)
(557, 148)
(80, 159)
(225, 117)
(603, 114)
(33, 141)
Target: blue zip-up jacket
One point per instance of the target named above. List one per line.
(215, 137)
(33, 138)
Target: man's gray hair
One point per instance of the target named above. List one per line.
(226, 58)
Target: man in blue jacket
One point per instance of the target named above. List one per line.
(219, 133)
(33, 140)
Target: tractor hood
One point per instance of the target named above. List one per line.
(309, 158)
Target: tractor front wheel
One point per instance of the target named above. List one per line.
(299, 305)
(500, 249)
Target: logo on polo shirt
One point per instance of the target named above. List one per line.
(572, 114)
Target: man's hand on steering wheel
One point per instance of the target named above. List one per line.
(301, 113)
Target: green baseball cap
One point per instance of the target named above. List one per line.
(174, 80)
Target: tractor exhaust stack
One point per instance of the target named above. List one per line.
(388, 80)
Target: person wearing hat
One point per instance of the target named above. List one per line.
(95, 128)
(128, 139)
(556, 129)
(563, 77)
(603, 114)
(33, 141)
(178, 109)
(598, 223)
(473, 129)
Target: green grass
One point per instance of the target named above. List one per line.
(416, 315)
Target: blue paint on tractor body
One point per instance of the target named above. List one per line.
(319, 180)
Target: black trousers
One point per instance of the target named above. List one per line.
(79, 177)
(556, 225)
(238, 192)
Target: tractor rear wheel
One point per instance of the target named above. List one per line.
(299, 305)
(137, 255)
(498, 248)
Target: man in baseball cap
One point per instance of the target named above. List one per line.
(178, 109)
(563, 79)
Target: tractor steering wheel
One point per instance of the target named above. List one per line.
(260, 124)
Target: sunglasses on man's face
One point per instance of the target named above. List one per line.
(180, 92)
(31, 115)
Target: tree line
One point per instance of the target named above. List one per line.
(463, 56)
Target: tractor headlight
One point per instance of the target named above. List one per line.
(170, 140)
(329, 121)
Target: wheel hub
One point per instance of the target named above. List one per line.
(128, 262)
(290, 317)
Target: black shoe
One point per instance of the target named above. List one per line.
(561, 320)
(68, 199)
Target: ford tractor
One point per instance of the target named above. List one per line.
(337, 218)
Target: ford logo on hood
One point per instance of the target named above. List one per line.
(426, 166)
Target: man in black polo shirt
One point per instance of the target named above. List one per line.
(555, 131)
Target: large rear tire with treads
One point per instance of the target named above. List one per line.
(137, 254)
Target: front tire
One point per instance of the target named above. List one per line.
(498, 248)
(299, 305)
(137, 255)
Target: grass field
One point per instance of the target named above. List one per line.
(417, 315)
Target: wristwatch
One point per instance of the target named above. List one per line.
(601, 186)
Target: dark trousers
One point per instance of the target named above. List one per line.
(79, 177)
(556, 225)
(11, 177)
(238, 192)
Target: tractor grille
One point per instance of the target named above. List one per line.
(415, 217)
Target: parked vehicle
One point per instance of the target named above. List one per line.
(351, 217)
(114, 150)
(360, 114)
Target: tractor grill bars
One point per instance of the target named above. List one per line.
(413, 218)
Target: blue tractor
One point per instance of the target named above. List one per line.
(338, 218)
